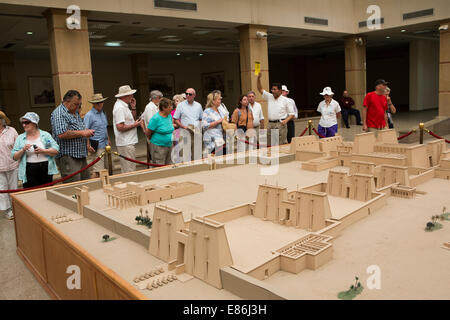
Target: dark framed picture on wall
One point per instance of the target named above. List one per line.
(213, 81)
(162, 82)
(41, 92)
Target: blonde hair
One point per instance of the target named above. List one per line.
(210, 98)
(178, 97)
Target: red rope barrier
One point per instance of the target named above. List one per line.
(56, 181)
(141, 162)
(405, 135)
(320, 136)
(304, 131)
(437, 137)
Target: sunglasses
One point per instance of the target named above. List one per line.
(26, 122)
(189, 94)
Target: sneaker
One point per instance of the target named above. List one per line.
(9, 214)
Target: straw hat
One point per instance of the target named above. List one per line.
(96, 98)
(125, 91)
(327, 91)
(4, 117)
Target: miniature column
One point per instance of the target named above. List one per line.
(355, 69)
(70, 56)
(444, 70)
(254, 49)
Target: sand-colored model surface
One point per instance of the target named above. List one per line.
(228, 231)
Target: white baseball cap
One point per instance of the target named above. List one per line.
(284, 88)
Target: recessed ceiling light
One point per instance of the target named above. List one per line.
(178, 54)
(403, 30)
(201, 32)
(200, 54)
(172, 40)
(113, 43)
(388, 37)
(167, 37)
(152, 29)
(30, 32)
(97, 36)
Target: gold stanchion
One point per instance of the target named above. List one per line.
(421, 128)
(109, 158)
(310, 127)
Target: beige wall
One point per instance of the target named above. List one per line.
(392, 11)
(342, 15)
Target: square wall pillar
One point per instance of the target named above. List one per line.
(139, 70)
(70, 57)
(355, 69)
(254, 49)
(444, 71)
(9, 100)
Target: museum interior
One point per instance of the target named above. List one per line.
(221, 227)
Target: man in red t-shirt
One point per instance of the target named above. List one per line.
(375, 106)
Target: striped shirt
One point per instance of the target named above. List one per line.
(62, 121)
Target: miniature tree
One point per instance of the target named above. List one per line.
(354, 290)
(106, 237)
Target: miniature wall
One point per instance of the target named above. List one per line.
(364, 143)
(267, 269)
(230, 214)
(422, 178)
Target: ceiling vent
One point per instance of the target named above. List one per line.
(363, 24)
(418, 14)
(322, 22)
(172, 4)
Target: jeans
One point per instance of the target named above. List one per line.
(355, 112)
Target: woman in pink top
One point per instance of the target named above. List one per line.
(8, 167)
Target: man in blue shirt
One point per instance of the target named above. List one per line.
(96, 120)
(188, 116)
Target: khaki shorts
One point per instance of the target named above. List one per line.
(282, 131)
(99, 165)
(129, 152)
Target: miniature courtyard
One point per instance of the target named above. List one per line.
(332, 209)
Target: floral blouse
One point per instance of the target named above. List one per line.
(212, 136)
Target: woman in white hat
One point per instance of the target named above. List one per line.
(35, 150)
(330, 111)
(8, 167)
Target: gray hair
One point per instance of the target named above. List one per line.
(251, 92)
(179, 97)
(155, 94)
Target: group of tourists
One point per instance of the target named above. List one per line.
(35, 156)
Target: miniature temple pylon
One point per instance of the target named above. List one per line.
(82, 195)
(104, 178)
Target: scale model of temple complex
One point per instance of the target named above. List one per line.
(289, 230)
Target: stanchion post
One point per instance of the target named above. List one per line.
(109, 160)
(421, 127)
(148, 154)
(310, 127)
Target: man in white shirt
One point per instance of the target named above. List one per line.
(255, 108)
(188, 116)
(152, 107)
(125, 126)
(280, 111)
(290, 124)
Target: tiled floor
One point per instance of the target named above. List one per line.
(16, 281)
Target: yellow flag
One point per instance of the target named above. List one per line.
(257, 67)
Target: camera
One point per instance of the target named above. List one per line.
(261, 34)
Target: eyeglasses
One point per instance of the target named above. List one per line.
(189, 94)
(26, 122)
